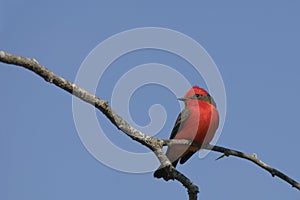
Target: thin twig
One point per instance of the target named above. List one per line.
(253, 158)
(230, 152)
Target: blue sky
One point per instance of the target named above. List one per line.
(254, 44)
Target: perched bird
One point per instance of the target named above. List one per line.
(197, 122)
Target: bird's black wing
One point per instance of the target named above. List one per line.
(182, 117)
(190, 153)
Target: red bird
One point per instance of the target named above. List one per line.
(197, 122)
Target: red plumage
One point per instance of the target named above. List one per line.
(198, 122)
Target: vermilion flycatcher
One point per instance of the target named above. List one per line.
(197, 122)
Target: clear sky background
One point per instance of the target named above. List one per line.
(254, 44)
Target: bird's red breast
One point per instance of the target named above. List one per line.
(201, 124)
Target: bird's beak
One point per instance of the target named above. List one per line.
(182, 99)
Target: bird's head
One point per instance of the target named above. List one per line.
(197, 94)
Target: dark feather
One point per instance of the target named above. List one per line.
(182, 117)
(186, 157)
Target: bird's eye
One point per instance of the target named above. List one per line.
(197, 95)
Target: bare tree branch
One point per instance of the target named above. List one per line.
(230, 152)
(253, 158)
(154, 144)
